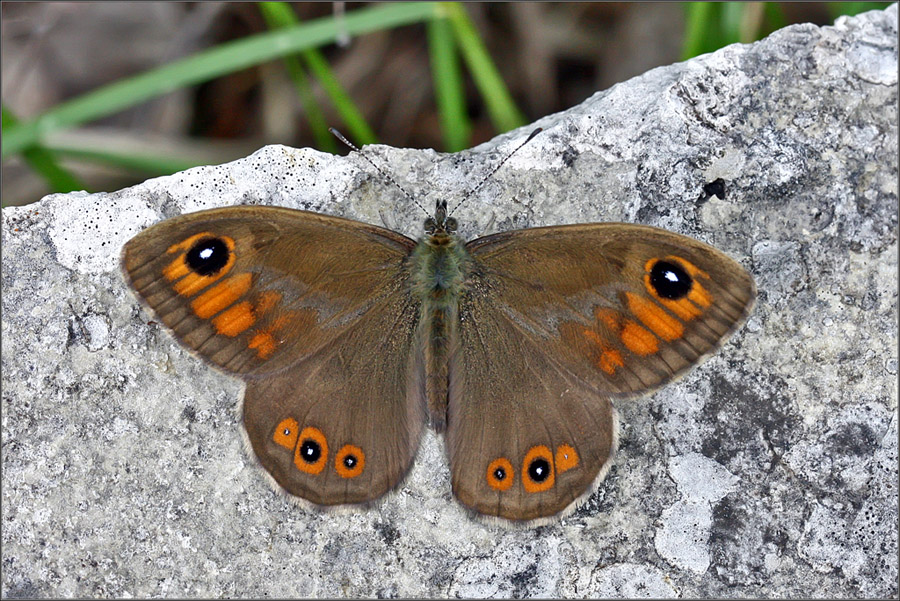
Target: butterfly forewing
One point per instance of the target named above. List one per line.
(315, 313)
(606, 300)
(256, 289)
(555, 321)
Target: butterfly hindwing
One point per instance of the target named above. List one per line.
(314, 312)
(343, 426)
(556, 321)
(525, 437)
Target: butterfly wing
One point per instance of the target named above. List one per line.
(314, 313)
(556, 321)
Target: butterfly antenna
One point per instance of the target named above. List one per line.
(494, 170)
(387, 176)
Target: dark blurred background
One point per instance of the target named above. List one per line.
(551, 55)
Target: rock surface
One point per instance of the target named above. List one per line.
(769, 471)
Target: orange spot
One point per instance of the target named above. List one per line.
(661, 323)
(533, 454)
(194, 283)
(264, 344)
(286, 433)
(601, 354)
(349, 472)
(508, 475)
(312, 435)
(189, 242)
(593, 337)
(638, 340)
(566, 458)
(267, 300)
(607, 317)
(221, 296)
(235, 320)
(699, 295)
(609, 360)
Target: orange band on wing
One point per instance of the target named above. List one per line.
(194, 283)
(267, 300)
(176, 270)
(597, 351)
(699, 295)
(235, 320)
(221, 296)
(264, 344)
(607, 317)
(639, 340)
(593, 337)
(610, 360)
(654, 317)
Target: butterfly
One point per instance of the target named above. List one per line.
(351, 338)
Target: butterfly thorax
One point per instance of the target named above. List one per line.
(438, 271)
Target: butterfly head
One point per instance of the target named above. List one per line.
(440, 223)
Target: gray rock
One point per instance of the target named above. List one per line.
(769, 471)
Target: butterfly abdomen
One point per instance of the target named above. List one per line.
(438, 272)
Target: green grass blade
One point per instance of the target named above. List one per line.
(279, 15)
(357, 126)
(149, 165)
(207, 65)
(775, 18)
(697, 23)
(43, 162)
(502, 110)
(731, 17)
(448, 86)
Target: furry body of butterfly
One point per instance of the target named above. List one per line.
(437, 274)
(349, 335)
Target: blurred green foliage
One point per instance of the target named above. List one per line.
(454, 47)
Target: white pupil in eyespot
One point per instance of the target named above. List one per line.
(671, 276)
(206, 253)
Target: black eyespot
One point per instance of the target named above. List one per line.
(208, 256)
(500, 474)
(350, 461)
(539, 470)
(670, 280)
(310, 450)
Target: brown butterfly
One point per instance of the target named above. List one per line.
(349, 336)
